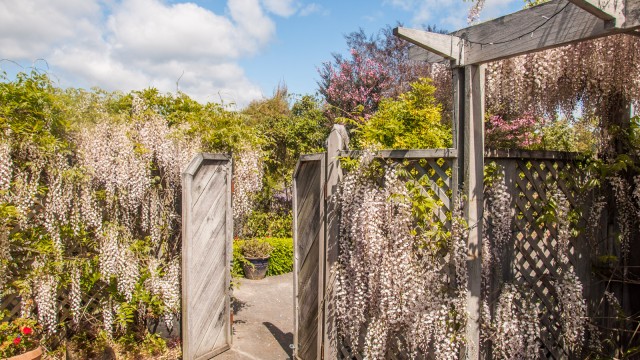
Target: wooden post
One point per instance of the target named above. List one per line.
(458, 131)
(472, 161)
(338, 140)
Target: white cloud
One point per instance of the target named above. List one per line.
(143, 29)
(284, 8)
(251, 21)
(402, 4)
(424, 11)
(29, 28)
(134, 44)
(312, 9)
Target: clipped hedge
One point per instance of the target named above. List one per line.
(281, 261)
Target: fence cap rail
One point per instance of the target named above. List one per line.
(530, 154)
(409, 154)
(453, 153)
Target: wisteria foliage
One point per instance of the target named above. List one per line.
(105, 203)
(392, 281)
(568, 287)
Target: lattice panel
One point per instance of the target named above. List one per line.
(434, 175)
(12, 304)
(90, 307)
(532, 261)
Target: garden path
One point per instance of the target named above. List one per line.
(263, 319)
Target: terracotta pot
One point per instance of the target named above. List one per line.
(35, 354)
(258, 270)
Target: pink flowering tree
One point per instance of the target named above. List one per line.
(520, 132)
(380, 67)
(353, 87)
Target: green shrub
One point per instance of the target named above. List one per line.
(281, 261)
(412, 121)
(257, 248)
(268, 224)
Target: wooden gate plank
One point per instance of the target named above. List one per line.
(309, 256)
(206, 255)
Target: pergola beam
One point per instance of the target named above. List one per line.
(552, 24)
(608, 12)
(446, 46)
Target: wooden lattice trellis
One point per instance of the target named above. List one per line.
(90, 308)
(530, 259)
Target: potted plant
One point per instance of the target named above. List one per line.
(256, 254)
(19, 340)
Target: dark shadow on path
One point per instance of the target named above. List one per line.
(285, 340)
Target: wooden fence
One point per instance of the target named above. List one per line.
(529, 259)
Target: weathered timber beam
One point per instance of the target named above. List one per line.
(621, 14)
(632, 14)
(612, 11)
(552, 24)
(417, 53)
(446, 46)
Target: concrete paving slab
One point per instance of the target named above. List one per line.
(263, 319)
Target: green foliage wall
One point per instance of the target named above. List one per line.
(286, 131)
(269, 224)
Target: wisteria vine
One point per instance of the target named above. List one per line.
(393, 282)
(93, 216)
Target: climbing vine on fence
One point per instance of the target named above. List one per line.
(399, 286)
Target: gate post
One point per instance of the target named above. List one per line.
(337, 141)
(468, 83)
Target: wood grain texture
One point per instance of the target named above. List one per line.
(632, 15)
(337, 141)
(447, 46)
(414, 154)
(530, 154)
(473, 191)
(309, 180)
(206, 238)
(605, 11)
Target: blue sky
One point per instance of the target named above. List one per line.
(234, 50)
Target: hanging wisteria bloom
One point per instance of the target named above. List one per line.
(247, 181)
(391, 281)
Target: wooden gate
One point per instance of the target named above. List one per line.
(207, 235)
(308, 235)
